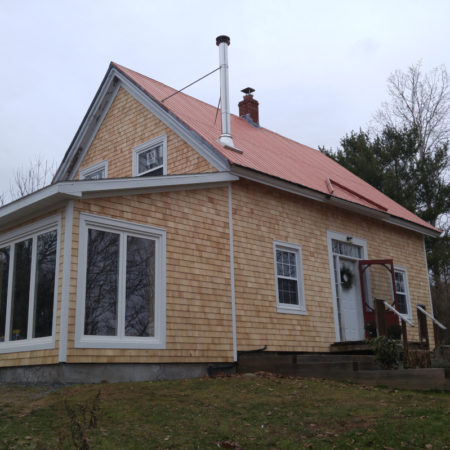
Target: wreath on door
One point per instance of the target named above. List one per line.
(346, 278)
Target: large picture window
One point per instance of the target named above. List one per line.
(289, 278)
(121, 284)
(28, 267)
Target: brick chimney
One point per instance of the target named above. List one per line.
(249, 107)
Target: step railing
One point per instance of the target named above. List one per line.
(422, 315)
(380, 314)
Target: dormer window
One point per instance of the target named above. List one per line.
(150, 158)
(95, 172)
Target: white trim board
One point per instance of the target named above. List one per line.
(102, 165)
(65, 291)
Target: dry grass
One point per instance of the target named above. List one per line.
(234, 412)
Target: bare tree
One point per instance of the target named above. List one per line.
(419, 101)
(33, 177)
(2, 199)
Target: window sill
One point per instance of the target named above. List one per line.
(291, 310)
(124, 343)
(27, 345)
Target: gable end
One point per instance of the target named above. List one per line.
(101, 104)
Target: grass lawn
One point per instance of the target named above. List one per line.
(262, 411)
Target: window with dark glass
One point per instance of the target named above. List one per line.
(31, 265)
(401, 289)
(45, 284)
(150, 162)
(287, 277)
(120, 285)
(4, 274)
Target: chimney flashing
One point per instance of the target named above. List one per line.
(249, 119)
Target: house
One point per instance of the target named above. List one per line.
(168, 242)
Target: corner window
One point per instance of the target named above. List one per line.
(402, 290)
(150, 158)
(121, 292)
(289, 278)
(28, 268)
(95, 172)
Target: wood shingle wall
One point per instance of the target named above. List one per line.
(260, 215)
(198, 301)
(128, 124)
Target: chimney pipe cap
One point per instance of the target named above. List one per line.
(248, 90)
(222, 38)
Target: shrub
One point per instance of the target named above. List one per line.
(386, 350)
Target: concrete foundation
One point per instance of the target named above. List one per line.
(99, 373)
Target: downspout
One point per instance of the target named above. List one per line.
(233, 297)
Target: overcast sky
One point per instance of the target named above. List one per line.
(319, 67)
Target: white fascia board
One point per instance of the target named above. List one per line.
(293, 188)
(189, 136)
(145, 184)
(39, 201)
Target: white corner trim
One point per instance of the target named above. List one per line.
(159, 140)
(232, 282)
(428, 278)
(102, 165)
(65, 292)
(158, 341)
(281, 307)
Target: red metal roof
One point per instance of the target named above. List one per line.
(270, 153)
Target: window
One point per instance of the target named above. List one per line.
(289, 278)
(28, 274)
(95, 172)
(401, 287)
(150, 158)
(121, 287)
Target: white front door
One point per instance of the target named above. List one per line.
(350, 305)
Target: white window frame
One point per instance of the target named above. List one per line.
(158, 341)
(283, 307)
(160, 140)
(102, 165)
(408, 315)
(32, 230)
